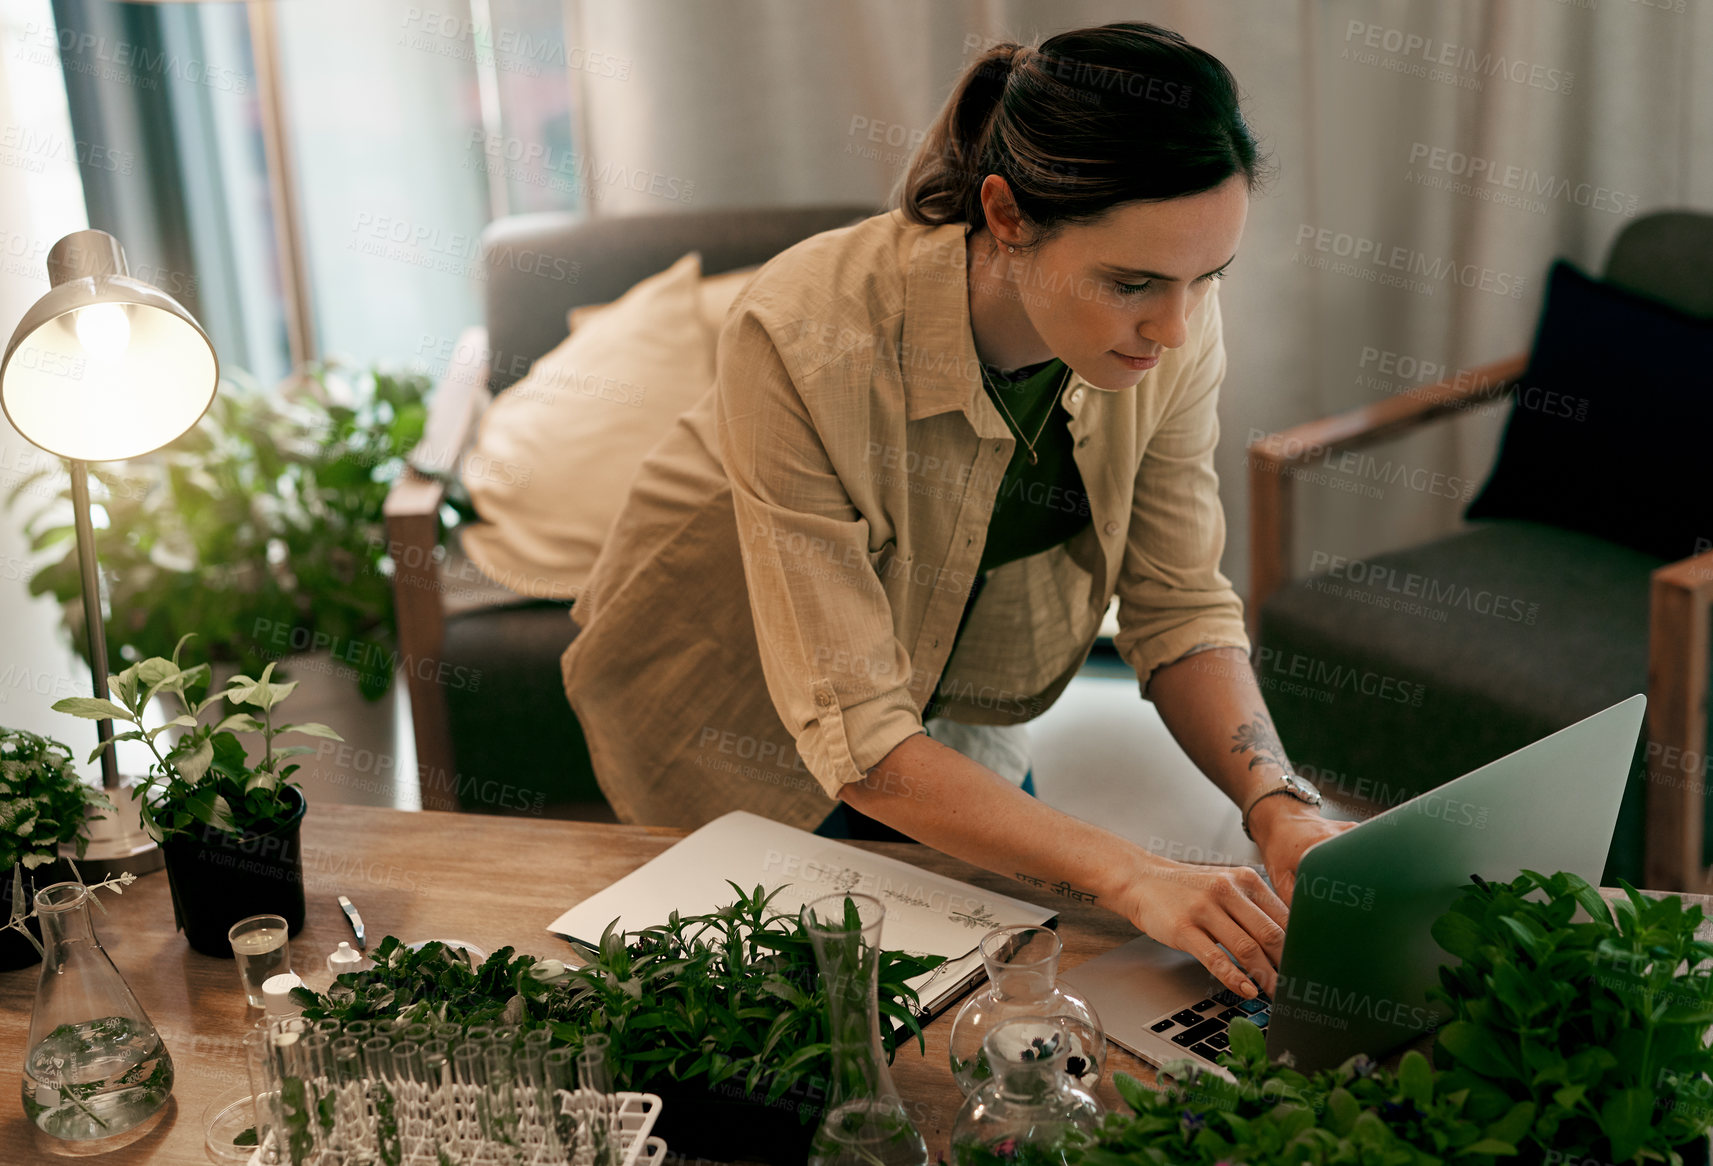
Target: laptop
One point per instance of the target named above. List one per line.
(1359, 956)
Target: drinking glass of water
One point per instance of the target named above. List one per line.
(259, 947)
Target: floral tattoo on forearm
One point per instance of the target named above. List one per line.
(1259, 738)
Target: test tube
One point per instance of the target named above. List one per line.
(347, 1054)
(501, 1063)
(502, 1105)
(469, 1066)
(408, 1064)
(539, 1038)
(378, 1058)
(561, 1067)
(361, 1029)
(415, 1031)
(315, 1055)
(264, 1079)
(593, 1071)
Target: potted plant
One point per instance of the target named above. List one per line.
(722, 1015)
(228, 829)
(43, 804)
(1600, 1025)
(262, 527)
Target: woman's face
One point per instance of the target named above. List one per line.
(1123, 287)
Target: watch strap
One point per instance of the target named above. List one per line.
(1284, 787)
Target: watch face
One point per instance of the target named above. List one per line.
(1302, 788)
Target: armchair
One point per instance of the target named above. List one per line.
(1614, 621)
(493, 730)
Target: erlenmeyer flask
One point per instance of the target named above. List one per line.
(1030, 1108)
(95, 1066)
(865, 1123)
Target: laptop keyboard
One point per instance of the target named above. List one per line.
(1202, 1028)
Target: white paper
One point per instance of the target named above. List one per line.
(926, 913)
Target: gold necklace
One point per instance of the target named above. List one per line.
(999, 399)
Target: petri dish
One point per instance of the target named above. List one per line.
(229, 1115)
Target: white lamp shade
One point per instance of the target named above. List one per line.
(106, 367)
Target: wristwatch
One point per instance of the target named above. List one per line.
(1290, 784)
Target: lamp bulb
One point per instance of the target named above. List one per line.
(104, 330)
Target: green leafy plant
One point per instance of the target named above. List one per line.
(43, 802)
(262, 526)
(1271, 1114)
(204, 780)
(731, 999)
(1600, 1025)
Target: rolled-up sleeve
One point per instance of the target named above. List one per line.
(1172, 597)
(837, 673)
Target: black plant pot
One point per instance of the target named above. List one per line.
(725, 1124)
(16, 951)
(218, 879)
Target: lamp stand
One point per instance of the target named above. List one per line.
(116, 841)
(94, 626)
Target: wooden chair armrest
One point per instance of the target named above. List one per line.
(457, 403)
(1680, 599)
(1270, 458)
(412, 514)
(1392, 417)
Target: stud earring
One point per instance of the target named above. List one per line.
(1013, 250)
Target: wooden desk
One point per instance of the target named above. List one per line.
(492, 881)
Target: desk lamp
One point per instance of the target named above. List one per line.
(104, 367)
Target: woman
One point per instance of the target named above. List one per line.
(940, 441)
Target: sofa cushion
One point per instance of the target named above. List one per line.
(1608, 425)
(1395, 674)
(555, 453)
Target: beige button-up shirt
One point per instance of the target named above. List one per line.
(778, 597)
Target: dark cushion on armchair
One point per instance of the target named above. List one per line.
(518, 746)
(1479, 643)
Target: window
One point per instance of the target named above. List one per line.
(408, 127)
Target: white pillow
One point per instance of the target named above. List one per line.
(555, 453)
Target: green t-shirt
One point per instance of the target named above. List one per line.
(1041, 505)
(1038, 506)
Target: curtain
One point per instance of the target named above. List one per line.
(40, 201)
(1484, 139)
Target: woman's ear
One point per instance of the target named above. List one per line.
(1004, 220)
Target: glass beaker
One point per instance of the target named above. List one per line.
(1030, 1108)
(260, 949)
(1022, 965)
(865, 1123)
(95, 1065)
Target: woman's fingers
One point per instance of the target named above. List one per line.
(1255, 940)
(1205, 948)
(1266, 899)
(1230, 905)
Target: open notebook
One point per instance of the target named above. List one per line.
(926, 914)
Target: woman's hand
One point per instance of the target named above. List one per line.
(1285, 831)
(1196, 908)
